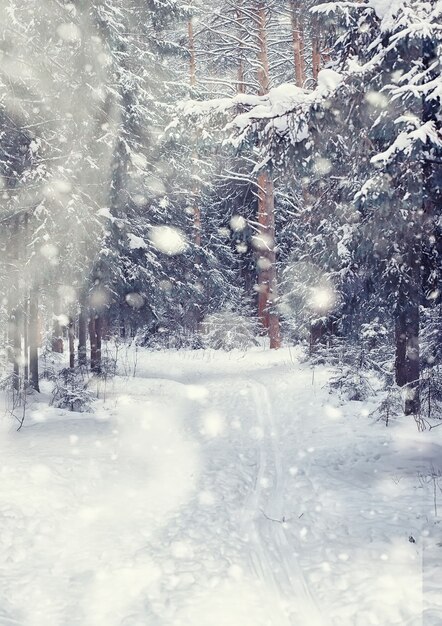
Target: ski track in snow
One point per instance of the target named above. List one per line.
(273, 559)
(217, 490)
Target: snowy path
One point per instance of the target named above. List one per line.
(217, 490)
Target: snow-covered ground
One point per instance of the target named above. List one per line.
(217, 489)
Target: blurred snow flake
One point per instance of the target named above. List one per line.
(206, 498)
(50, 252)
(69, 32)
(238, 223)
(236, 572)
(168, 240)
(323, 166)
(332, 412)
(262, 242)
(263, 263)
(377, 99)
(67, 294)
(196, 392)
(213, 424)
(135, 300)
(181, 550)
(322, 298)
(139, 160)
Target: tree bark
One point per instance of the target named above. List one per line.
(194, 195)
(240, 85)
(316, 48)
(412, 400)
(26, 339)
(267, 285)
(57, 331)
(407, 329)
(33, 339)
(71, 335)
(98, 337)
(15, 341)
(400, 364)
(25, 305)
(192, 55)
(267, 288)
(298, 41)
(263, 57)
(82, 335)
(93, 342)
(14, 332)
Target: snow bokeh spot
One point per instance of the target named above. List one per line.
(377, 99)
(332, 412)
(67, 294)
(69, 32)
(50, 252)
(206, 498)
(323, 166)
(214, 424)
(182, 550)
(262, 242)
(197, 392)
(135, 300)
(238, 223)
(168, 240)
(322, 298)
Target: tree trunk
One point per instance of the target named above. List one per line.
(192, 55)
(26, 339)
(25, 304)
(82, 335)
(33, 339)
(263, 57)
(98, 336)
(316, 48)
(15, 341)
(93, 342)
(71, 335)
(412, 400)
(407, 327)
(267, 284)
(57, 330)
(267, 290)
(195, 192)
(400, 364)
(298, 41)
(240, 85)
(14, 311)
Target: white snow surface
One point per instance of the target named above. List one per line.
(218, 489)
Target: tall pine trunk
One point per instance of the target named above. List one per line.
(316, 47)
(26, 338)
(298, 41)
(34, 336)
(14, 339)
(195, 192)
(71, 335)
(267, 286)
(240, 83)
(95, 335)
(82, 334)
(192, 53)
(98, 338)
(93, 342)
(407, 330)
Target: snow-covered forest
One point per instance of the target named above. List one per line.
(220, 313)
